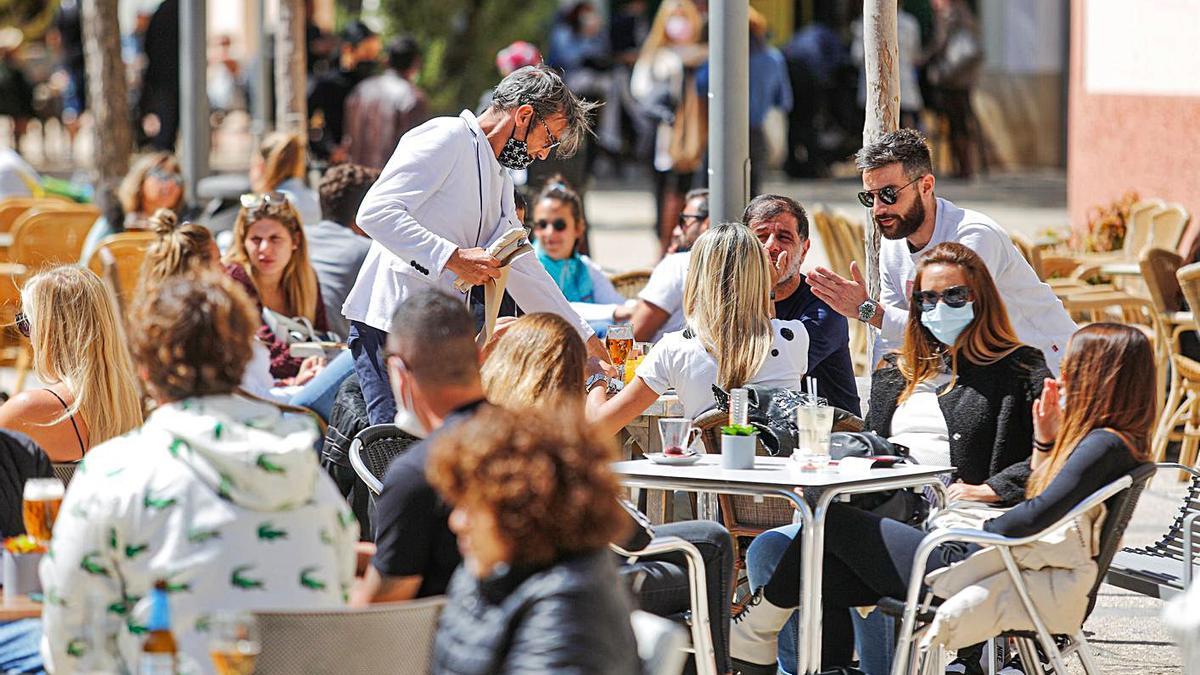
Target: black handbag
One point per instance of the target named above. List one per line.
(905, 506)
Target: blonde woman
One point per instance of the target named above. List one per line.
(664, 82)
(269, 258)
(279, 164)
(79, 351)
(730, 339)
(153, 183)
(181, 248)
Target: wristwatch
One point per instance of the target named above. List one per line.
(593, 380)
(867, 310)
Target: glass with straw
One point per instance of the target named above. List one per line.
(814, 423)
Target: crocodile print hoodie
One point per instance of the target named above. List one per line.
(220, 497)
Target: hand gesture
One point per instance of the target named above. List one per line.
(308, 369)
(1047, 417)
(842, 294)
(779, 268)
(474, 265)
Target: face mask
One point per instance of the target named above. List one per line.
(679, 29)
(946, 322)
(406, 418)
(515, 154)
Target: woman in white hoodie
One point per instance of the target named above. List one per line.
(219, 497)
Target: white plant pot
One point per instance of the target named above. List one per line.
(737, 452)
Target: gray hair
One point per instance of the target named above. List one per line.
(541, 87)
(906, 146)
(770, 207)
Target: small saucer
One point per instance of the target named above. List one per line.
(675, 460)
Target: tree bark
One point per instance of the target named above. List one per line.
(291, 110)
(108, 98)
(882, 67)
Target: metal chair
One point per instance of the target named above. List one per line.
(65, 471)
(702, 645)
(629, 284)
(373, 449)
(385, 638)
(1120, 496)
(1164, 569)
(661, 644)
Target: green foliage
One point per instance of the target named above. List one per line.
(738, 430)
(460, 39)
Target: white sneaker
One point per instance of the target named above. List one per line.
(754, 631)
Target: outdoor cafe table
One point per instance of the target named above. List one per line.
(21, 607)
(778, 477)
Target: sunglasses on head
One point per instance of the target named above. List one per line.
(558, 224)
(254, 200)
(955, 296)
(887, 194)
(22, 323)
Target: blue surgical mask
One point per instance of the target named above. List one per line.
(946, 322)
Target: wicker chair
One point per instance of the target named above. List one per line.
(385, 638)
(629, 284)
(749, 517)
(118, 260)
(1159, 267)
(373, 449)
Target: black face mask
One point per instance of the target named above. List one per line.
(515, 153)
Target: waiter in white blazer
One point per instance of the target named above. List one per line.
(443, 198)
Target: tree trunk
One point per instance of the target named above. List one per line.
(107, 97)
(291, 110)
(882, 66)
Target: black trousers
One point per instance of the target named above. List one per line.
(660, 583)
(867, 557)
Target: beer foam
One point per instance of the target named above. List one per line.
(42, 489)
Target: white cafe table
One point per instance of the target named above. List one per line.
(778, 477)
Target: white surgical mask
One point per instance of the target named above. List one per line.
(946, 322)
(406, 418)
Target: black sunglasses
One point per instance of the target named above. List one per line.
(558, 224)
(685, 217)
(955, 296)
(887, 194)
(23, 323)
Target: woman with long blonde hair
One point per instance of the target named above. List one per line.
(269, 258)
(1101, 434)
(279, 164)
(80, 352)
(730, 339)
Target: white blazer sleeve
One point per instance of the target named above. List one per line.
(534, 290)
(417, 169)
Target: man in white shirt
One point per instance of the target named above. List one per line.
(443, 198)
(660, 303)
(898, 187)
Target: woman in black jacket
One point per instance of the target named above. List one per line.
(535, 506)
(958, 393)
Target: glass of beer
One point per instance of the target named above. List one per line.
(233, 645)
(619, 340)
(41, 500)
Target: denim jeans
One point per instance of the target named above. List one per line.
(367, 346)
(20, 642)
(319, 393)
(873, 636)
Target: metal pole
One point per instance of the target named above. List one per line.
(729, 110)
(261, 121)
(193, 95)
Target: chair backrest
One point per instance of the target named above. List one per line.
(387, 638)
(661, 643)
(65, 471)
(1158, 267)
(1167, 227)
(13, 207)
(50, 237)
(1189, 283)
(119, 259)
(1120, 508)
(1139, 226)
(375, 447)
(1171, 543)
(629, 284)
(1031, 253)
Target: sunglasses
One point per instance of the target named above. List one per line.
(685, 217)
(252, 200)
(558, 224)
(955, 296)
(552, 141)
(166, 176)
(888, 195)
(22, 323)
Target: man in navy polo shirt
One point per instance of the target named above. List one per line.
(782, 226)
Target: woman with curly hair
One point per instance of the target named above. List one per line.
(534, 507)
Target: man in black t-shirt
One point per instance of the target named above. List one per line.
(433, 366)
(782, 226)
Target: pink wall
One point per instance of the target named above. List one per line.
(1150, 144)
